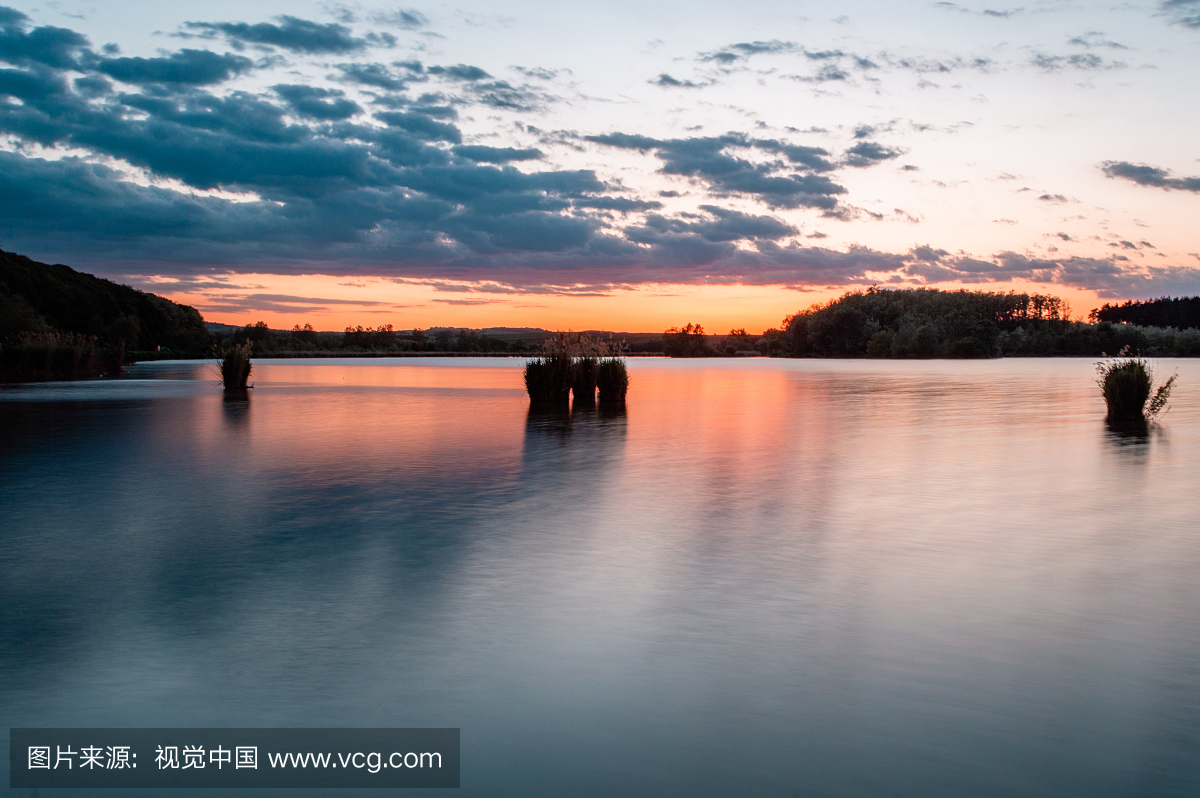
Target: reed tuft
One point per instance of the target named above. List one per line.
(579, 363)
(235, 368)
(613, 380)
(584, 386)
(1126, 383)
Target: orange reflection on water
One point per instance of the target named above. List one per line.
(357, 419)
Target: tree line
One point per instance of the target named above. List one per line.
(382, 339)
(929, 323)
(1182, 313)
(934, 323)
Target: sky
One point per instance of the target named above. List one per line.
(620, 166)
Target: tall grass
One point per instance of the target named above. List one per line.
(1126, 383)
(613, 380)
(57, 356)
(235, 368)
(548, 379)
(584, 385)
(573, 362)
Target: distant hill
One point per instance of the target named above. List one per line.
(40, 297)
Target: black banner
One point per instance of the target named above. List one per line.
(233, 758)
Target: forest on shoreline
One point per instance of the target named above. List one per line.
(58, 323)
(881, 323)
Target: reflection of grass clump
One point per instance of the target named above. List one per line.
(613, 380)
(1126, 383)
(235, 367)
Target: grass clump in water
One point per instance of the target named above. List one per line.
(1126, 383)
(613, 380)
(584, 386)
(574, 362)
(549, 378)
(235, 368)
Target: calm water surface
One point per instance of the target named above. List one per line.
(766, 578)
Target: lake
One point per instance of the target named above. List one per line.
(764, 578)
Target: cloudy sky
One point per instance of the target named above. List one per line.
(625, 165)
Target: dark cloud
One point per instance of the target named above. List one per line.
(709, 160)
(869, 153)
(404, 18)
(987, 12)
(538, 72)
(193, 67)
(1182, 12)
(282, 303)
(470, 302)
(693, 240)
(727, 225)
(1145, 175)
(54, 47)
(666, 81)
(421, 126)
(926, 66)
(375, 75)
(1081, 61)
(316, 103)
(928, 254)
(481, 154)
(459, 72)
(744, 50)
(621, 204)
(478, 85)
(526, 231)
(91, 86)
(829, 72)
(298, 35)
(841, 66)
(285, 299)
(1096, 39)
(433, 111)
(502, 95)
(814, 158)
(314, 190)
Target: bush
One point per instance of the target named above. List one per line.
(235, 368)
(613, 380)
(1126, 383)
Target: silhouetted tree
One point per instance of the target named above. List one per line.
(687, 341)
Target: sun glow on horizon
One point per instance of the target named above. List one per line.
(332, 303)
